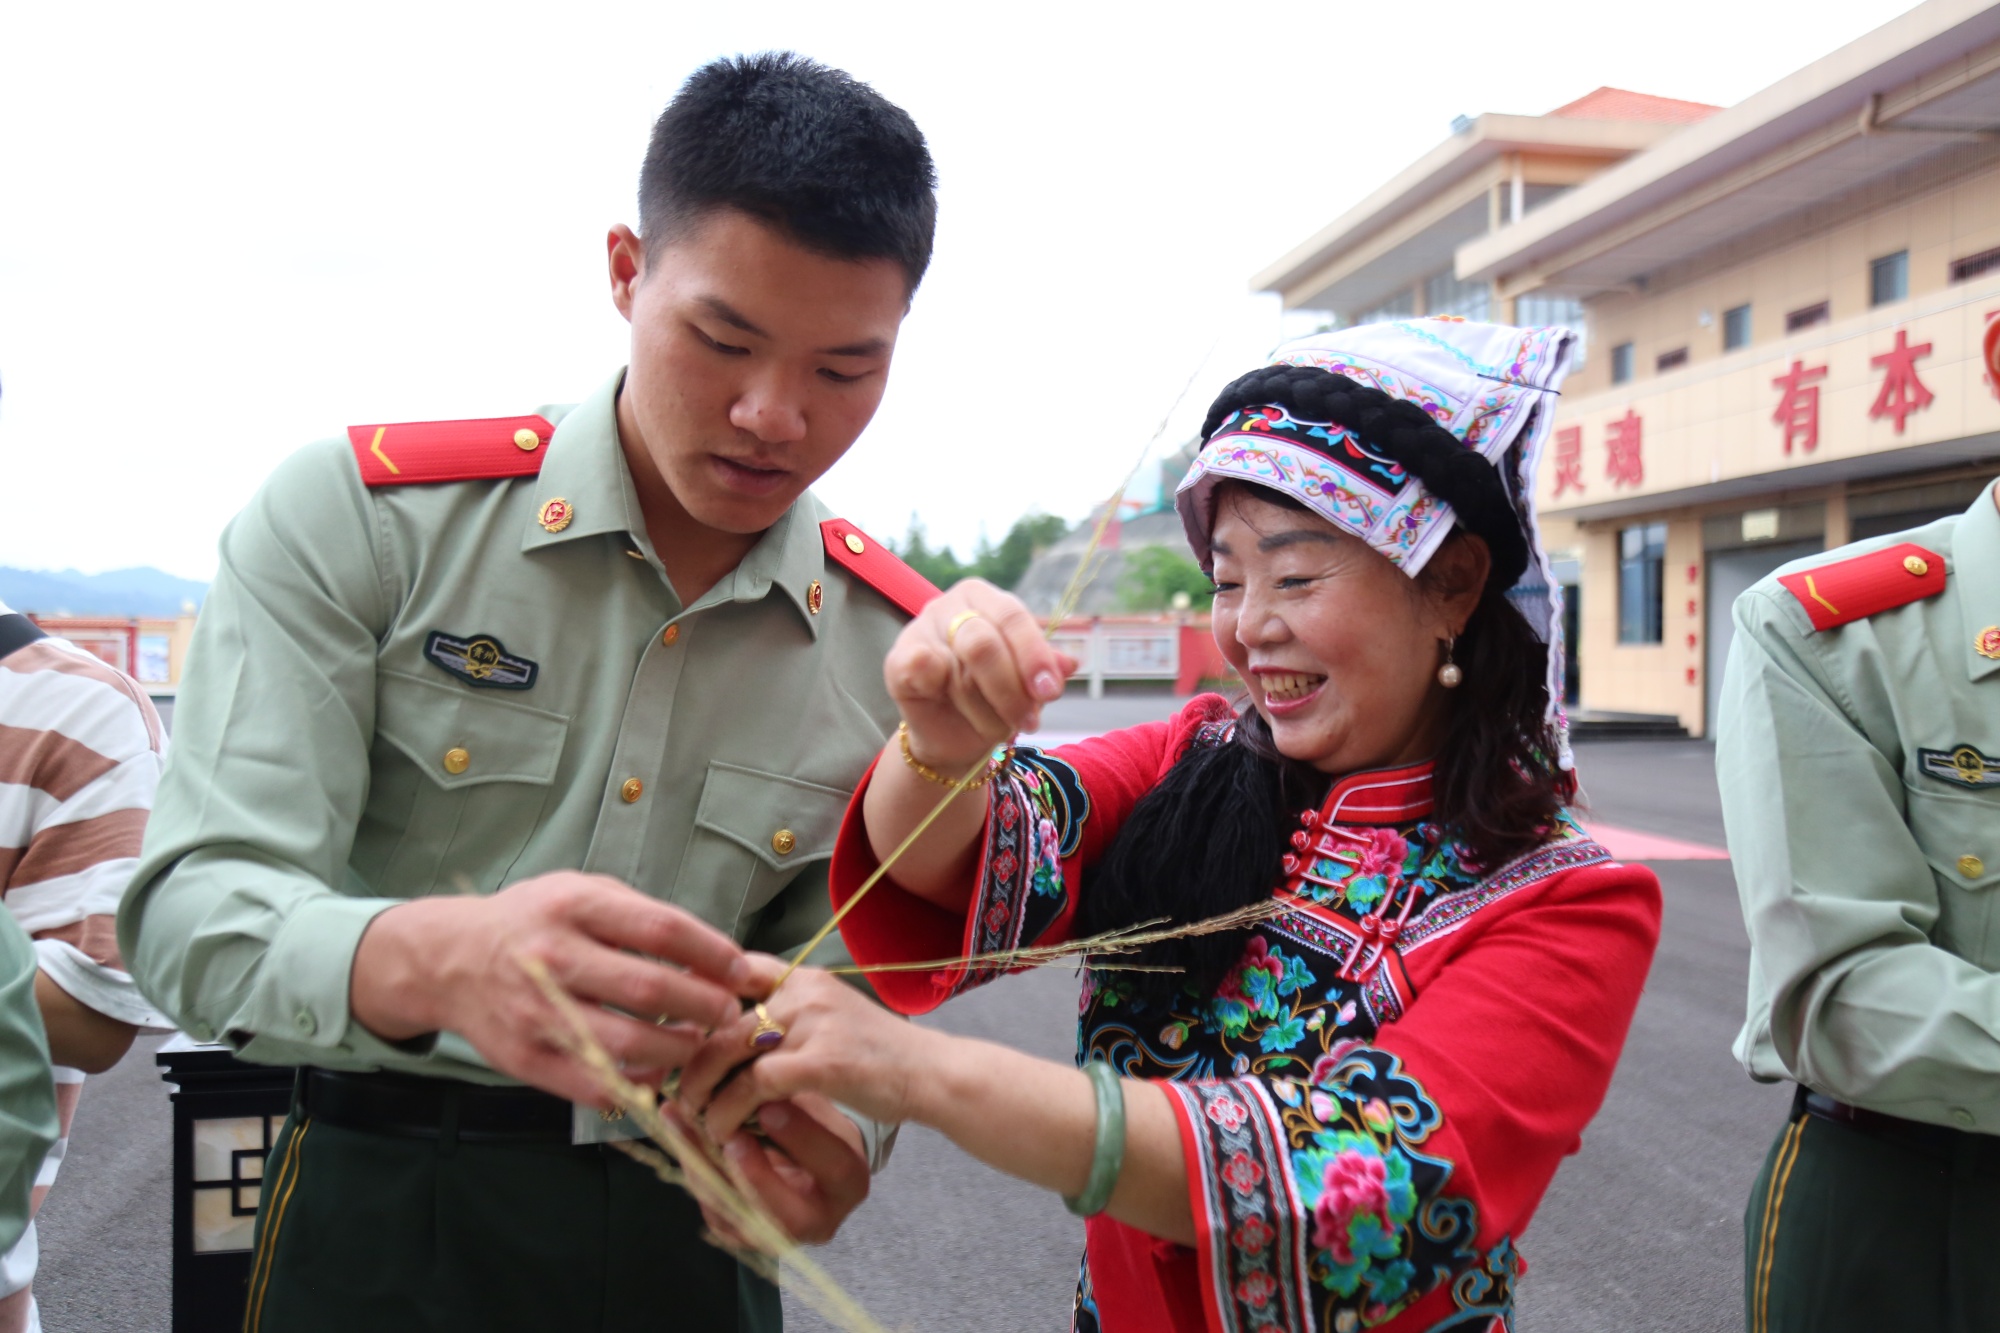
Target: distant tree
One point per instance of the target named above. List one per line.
(1153, 574)
(1003, 565)
(1000, 565)
(940, 567)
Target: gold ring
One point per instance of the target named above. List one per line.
(768, 1032)
(951, 630)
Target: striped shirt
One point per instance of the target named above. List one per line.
(80, 755)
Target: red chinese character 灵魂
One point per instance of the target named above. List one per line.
(1624, 462)
(1902, 392)
(1798, 407)
(1569, 459)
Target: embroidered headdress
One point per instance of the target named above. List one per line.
(1394, 433)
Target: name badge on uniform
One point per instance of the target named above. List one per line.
(1961, 766)
(481, 660)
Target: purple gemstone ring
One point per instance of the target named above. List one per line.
(768, 1032)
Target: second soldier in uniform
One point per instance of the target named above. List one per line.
(1859, 761)
(588, 685)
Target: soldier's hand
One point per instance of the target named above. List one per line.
(454, 964)
(808, 1169)
(971, 671)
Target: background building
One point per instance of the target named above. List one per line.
(1791, 308)
(148, 649)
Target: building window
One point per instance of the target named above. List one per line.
(1444, 294)
(1400, 306)
(1986, 261)
(1889, 278)
(1735, 328)
(1805, 317)
(1642, 568)
(1673, 360)
(1621, 363)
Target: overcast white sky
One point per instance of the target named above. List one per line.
(228, 230)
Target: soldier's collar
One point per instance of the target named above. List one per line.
(789, 557)
(1975, 560)
(584, 489)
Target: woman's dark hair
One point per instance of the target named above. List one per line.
(1210, 838)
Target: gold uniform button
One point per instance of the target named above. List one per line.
(1917, 565)
(526, 440)
(632, 790)
(669, 634)
(1971, 866)
(782, 842)
(855, 544)
(457, 760)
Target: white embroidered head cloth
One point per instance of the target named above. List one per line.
(1492, 387)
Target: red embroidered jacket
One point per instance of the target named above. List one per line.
(1374, 1100)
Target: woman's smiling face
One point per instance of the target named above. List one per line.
(1340, 649)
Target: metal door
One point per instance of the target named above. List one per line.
(1730, 574)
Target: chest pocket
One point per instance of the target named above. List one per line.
(753, 833)
(1959, 832)
(460, 782)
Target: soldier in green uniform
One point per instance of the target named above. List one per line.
(28, 1123)
(1859, 759)
(590, 686)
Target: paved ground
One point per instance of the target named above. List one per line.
(1641, 1230)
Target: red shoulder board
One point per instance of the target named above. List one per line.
(876, 565)
(412, 452)
(1863, 585)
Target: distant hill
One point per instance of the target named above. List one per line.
(118, 592)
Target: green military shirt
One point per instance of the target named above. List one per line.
(332, 756)
(27, 1087)
(1860, 776)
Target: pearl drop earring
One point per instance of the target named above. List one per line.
(1450, 674)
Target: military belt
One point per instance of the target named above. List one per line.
(407, 1106)
(1894, 1129)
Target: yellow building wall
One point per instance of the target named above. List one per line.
(1711, 420)
(1660, 678)
(1947, 223)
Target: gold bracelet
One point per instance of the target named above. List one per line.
(1003, 756)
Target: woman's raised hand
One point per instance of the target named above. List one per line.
(970, 672)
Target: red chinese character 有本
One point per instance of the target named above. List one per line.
(1902, 392)
(1569, 459)
(1798, 407)
(1623, 462)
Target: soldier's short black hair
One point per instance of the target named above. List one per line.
(814, 152)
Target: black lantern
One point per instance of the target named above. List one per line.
(226, 1117)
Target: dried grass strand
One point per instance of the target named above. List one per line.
(1086, 570)
(702, 1170)
(1123, 940)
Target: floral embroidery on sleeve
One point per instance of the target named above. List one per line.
(1035, 820)
(1320, 1196)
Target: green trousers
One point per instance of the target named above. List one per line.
(1853, 1229)
(369, 1231)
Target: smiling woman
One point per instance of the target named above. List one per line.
(1342, 1115)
